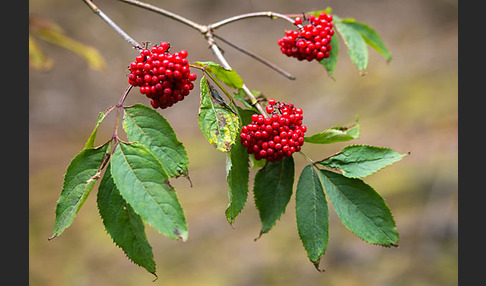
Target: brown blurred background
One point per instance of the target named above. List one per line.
(408, 104)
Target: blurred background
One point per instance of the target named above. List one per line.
(409, 104)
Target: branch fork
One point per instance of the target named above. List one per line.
(206, 30)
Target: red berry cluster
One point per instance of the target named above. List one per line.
(274, 137)
(313, 41)
(162, 76)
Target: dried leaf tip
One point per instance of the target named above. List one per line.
(52, 237)
(316, 265)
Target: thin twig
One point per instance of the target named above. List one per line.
(221, 58)
(124, 96)
(203, 69)
(200, 28)
(256, 57)
(269, 14)
(112, 24)
(206, 30)
(119, 105)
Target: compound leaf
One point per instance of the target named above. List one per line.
(219, 125)
(81, 175)
(148, 127)
(272, 189)
(125, 227)
(358, 161)
(144, 184)
(361, 209)
(312, 214)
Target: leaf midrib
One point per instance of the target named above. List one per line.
(151, 140)
(367, 217)
(146, 190)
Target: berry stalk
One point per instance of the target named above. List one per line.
(119, 105)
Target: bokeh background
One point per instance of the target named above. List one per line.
(409, 104)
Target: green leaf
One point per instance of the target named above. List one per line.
(330, 62)
(243, 98)
(361, 209)
(257, 164)
(125, 227)
(92, 138)
(370, 36)
(237, 173)
(81, 175)
(335, 134)
(228, 76)
(358, 161)
(148, 127)
(237, 176)
(312, 214)
(219, 125)
(272, 189)
(144, 184)
(357, 49)
(328, 11)
(245, 115)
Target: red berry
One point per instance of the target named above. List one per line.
(192, 77)
(162, 76)
(183, 53)
(274, 137)
(312, 42)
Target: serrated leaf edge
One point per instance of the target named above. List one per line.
(86, 191)
(365, 145)
(184, 238)
(127, 205)
(391, 243)
(185, 168)
(316, 262)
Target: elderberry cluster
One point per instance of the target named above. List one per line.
(274, 137)
(163, 77)
(313, 41)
